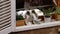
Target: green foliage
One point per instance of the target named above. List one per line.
(19, 17)
(47, 12)
(57, 10)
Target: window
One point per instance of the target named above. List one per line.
(22, 5)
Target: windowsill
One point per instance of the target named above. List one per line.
(20, 23)
(36, 26)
